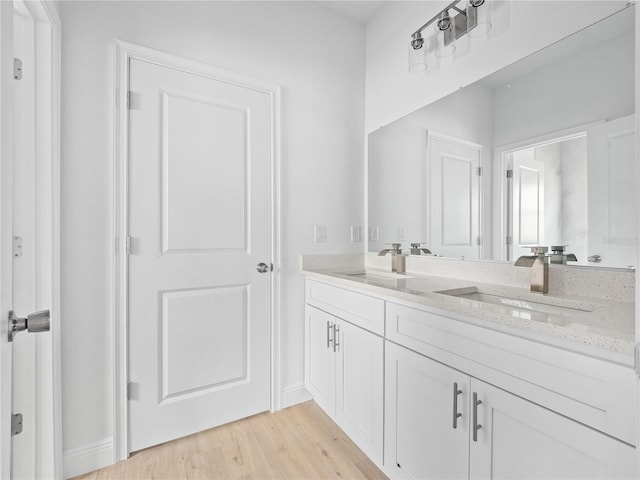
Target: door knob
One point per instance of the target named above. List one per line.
(34, 323)
(594, 258)
(264, 268)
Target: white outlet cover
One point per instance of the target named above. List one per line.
(402, 234)
(356, 234)
(319, 233)
(373, 234)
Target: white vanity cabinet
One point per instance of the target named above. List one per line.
(418, 380)
(344, 367)
(441, 423)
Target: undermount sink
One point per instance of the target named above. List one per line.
(387, 278)
(523, 308)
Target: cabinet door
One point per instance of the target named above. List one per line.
(420, 439)
(320, 359)
(360, 388)
(519, 439)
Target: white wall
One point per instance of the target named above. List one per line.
(317, 57)
(594, 85)
(521, 28)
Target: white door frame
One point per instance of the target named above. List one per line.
(124, 52)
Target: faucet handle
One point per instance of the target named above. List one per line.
(558, 249)
(395, 246)
(539, 250)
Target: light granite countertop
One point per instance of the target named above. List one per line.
(598, 327)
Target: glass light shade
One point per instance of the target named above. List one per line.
(483, 15)
(417, 59)
(443, 50)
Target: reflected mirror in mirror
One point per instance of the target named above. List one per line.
(539, 153)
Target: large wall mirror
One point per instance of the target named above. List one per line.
(539, 153)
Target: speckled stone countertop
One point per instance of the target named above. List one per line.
(598, 327)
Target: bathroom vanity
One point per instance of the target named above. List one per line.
(436, 377)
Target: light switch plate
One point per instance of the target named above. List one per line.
(373, 234)
(319, 233)
(356, 234)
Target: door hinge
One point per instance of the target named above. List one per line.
(17, 69)
(128, 100)
(478, 241)
(17, 246)
(509, 173)
(509, 240)
(16, 424)
(479, 171)
(127, 245)
(636, 350)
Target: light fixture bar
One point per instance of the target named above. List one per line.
(450, 6)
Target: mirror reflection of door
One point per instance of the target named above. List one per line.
(527, 210)
(612, 193)
(547, 198)
(454, 185)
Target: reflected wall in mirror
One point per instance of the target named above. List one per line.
(539, 153)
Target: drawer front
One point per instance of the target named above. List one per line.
(594, 392)
(362, 310)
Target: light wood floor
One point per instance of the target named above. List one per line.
(300, 442)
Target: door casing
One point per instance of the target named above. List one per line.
(124, 52)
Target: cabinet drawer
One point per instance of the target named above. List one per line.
(592, 391)
(362, 310)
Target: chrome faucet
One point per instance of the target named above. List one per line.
(416, 249)
(398, 261)
(538, 262)
(558, 256)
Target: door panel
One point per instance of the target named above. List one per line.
(454, 186)
(199, 312)
(360, 388)
(420, 441)
(519, 439)
(320, 359)
(528, 203)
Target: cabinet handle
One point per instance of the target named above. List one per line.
(476, 426)
(456, 414)
(329, 339)
(336, 331)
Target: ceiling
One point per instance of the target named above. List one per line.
(359, 10)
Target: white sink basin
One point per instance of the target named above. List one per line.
(380, 278)
(539, 310)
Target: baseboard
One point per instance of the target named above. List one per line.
(87, 458)
(294, 395)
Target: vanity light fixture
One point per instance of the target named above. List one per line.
(474, 20)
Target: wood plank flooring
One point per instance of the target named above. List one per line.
(300, 442)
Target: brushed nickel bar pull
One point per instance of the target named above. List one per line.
(456, 414)
(476, 426)
(329, 339)
(336, 331)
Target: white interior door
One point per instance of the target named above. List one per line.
(30, 230)
(611, 156)
(454, 184)
(199, 311)
(527, 200)
(6, 216)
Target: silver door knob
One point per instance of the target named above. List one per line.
(263, 268)
(34, 323)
